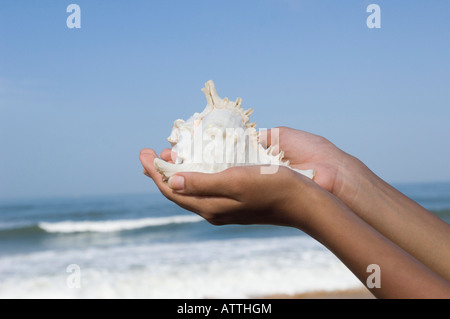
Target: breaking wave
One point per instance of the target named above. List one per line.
(105, 226)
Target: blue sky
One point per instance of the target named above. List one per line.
(77, 105)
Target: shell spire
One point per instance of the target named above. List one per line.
(211, 93)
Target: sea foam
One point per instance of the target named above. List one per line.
(233, 268)
(115, 225)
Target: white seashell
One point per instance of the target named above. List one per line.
(218, 138)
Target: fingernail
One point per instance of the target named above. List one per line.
(176, 182)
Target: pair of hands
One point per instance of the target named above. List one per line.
(371, 221)
(241, 195)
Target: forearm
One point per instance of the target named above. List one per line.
(358, 245)
(397, 217)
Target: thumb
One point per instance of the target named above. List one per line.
(221, 184)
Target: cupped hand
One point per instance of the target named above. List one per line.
(238, 195)
(308, 151)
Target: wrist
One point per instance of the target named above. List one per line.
(353, 181)
(308, 205)
(367, 195)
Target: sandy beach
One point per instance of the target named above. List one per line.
(360, 293)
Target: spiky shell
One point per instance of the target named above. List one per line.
(218, 138)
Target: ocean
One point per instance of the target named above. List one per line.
(144, 246)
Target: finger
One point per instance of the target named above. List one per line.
(147, 156)
(168, 155)
(165, 154)
(229, 183)
(203, 206)
(213, 209)
(223, 184)
(206, 206)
